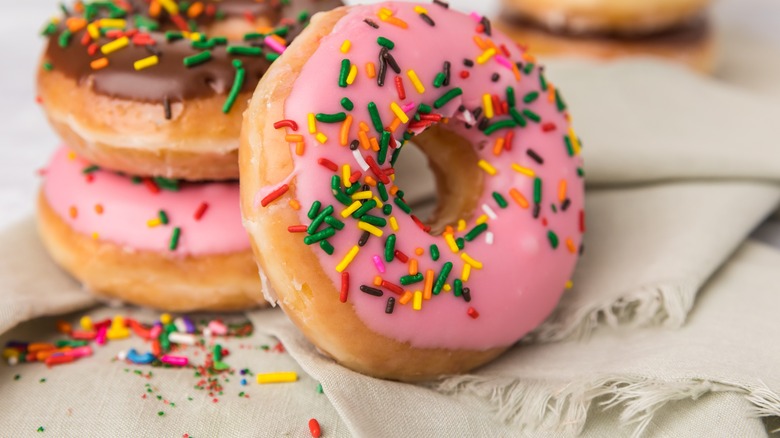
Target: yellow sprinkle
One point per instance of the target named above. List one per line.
(112, 22)
(95, 236)
(368, 194)
(486, 55)
(524, 170)
(379, 203)
(399, 112)
(575, 141)
(420, 10)
(194, 36)
(417, 305)
(450, 239)
(482, 219)
(170, 6)
(294, 204)
(283, 377)
(344, 263)
(406, 297)
(473, 263)
(487, 101)
(461, 225)
(466, 273)
(165, 318)
(71, 155)
(447, 287)
(384, 13)
(151, 223)
(321, 138)
(415, 81)
(393, 223)
(365, 226)
(312, 123)
(351, 209)
(353, 71)
(345, 46)
(569, 284)
(115, 45)
(93, 31)
(86, 323)
(346, 172)
(146, 62)
(487, 167)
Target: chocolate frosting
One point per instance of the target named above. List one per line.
(170, 78)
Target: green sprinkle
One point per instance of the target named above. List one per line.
(445, 272)
(580, 172)
(217, 352)
(532, 115)
(569, 147)
(47, 66)
(438, 81)
(303, 16)
(559, 101)
(510, 97)
(411, 279)
(271, 57)
(500, 200)
(390, 248)
(341, 197)
(543, 82)
(330, 118)
(434, 252)
(89, 169)
(347, 104)
(41, 429)
(315, 224)
(553, 238)
(64, 38)
(345, 65)
(424, 109)
(17, 376)
(220, 41)
(49, 29)
(169, 184)
(244, 51)
(382, 192)
(554, 208)
(194, 60)
(458, 287)
(238, 83)
(537, 190)
(375, 119)
(447, 97)
(173, 36)
(253, 36)
(315, 208)
(374, 220)
(353, 189)
(365, 208)
(327, 247)
(528, 68)
(202, 45)
(402, 205)
(530, 97)
(518, 118)
(476, 231)
(395, 156)
(460, 242)
(163, 217)
(387, 209)
(384, 145)
(333, 222)
(384, 42)
(144, 23)
(160, 413)
(174, 241)
(503, 124)
(319, 388)
(327, 233)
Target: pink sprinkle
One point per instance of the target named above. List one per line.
(379, 265)
(80, 351)
(504, 61)
(273, 44)
(154, 333)
(101, 335)
(218, 328)
(408, 107)
(179, 361)
(476, 17)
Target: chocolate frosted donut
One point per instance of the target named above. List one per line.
(157, 87)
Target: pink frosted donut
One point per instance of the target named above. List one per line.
(371, 284)
(160, 243)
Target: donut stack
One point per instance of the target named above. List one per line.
(142, 202)
(677, 30)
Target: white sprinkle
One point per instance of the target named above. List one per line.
(182, 338)
(122, 355)
(13, 360)
(489, 211)
(489, 238)
(206, 333)
(360, 160)
(180, 325)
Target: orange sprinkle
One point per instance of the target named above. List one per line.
(278, 39)
(99, 63)
(370, 181)
(293, 138)
(195, 10)
(394, 126)
(413, 267)
(570, 245)
(419, 251)
(364, 139)
(562, 190)
(73, 212)
(370, 70)
(75, 24)
(299, 148)
(294, 204)
(345, 127)
(550, 93)
(516, 72)
(377, 281)
(374, 144)
(364, 127)
(519, 198)
(394, 190)
(154, 9)
(99, 208)
(406, 297)
(428, 292)
(480, 43)
(499, 146)
(395, 21)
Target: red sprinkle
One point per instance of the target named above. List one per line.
(286, 124)
(326, 163)
(59, 359)
(211, 9)
(392, 287)
(401, 256)
(377, 171)
(297, 228)
(464, 74)
(419, 223)
(473, 313)
(355, 176)
(151, 186)
(138, 329)
(273, 196)
(314, 428)
(344, 287)
(180, 22)
(399, 86)
(505, 51)
(200, 211)
(510, 135)
(89, 177)
(582, 221)
(86, 39)
(92, 49)
(549, 126)
(497, 105)
(249, 17)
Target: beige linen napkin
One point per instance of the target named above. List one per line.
(657, 231)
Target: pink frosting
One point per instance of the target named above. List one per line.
(523, 275)
(118, 210)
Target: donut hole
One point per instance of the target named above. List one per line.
(452, 188)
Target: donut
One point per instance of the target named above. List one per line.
(692, 44)
(371, 284)
(623, 17)
(157, 87)
(161, 243)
